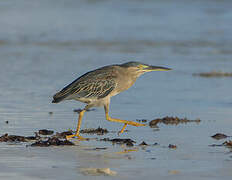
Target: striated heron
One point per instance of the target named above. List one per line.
(95, 88)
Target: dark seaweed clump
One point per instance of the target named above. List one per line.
(64, 134)
(52, 141)
(172, 146)
(98, 131)
(128, 142)
(171, 120)
(46, 132)
(219, 136)
(143, 144)
(15, 138)
(55, 140)
(228, 144)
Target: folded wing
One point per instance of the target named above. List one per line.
(95, 84)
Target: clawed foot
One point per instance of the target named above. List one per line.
(130, 123)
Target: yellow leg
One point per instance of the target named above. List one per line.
(81, 114)
(123, 128)
(125, 122)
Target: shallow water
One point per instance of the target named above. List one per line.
(47, 44)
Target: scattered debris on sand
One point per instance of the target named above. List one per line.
(55, 140)
(45, 132)
(98, 171)
(172, 146)
(98, 131)
(79, 110)
(171, 120)
(128, 142)
(48, 138)
(213, 74)
(15, 138)
(219, 136)
(50, 113)
(52, 141)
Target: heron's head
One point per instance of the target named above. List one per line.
(140, 68)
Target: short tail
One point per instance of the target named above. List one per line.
(63, 94)
(56, 100)
(58, 97)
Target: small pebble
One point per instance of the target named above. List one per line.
(172, 146)
(143, 144)
(219, 136)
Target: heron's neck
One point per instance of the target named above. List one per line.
(132, 77)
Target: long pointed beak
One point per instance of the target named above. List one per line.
(156, 68)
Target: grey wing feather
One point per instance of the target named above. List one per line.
(94, 89)
(94, 84)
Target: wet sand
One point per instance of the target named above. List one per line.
(46, 45)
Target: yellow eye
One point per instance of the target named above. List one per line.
(140, 66)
